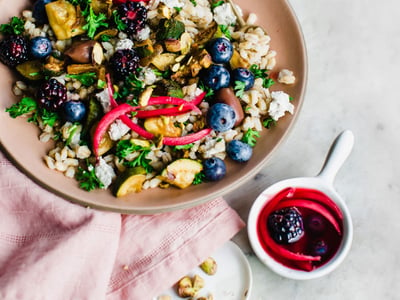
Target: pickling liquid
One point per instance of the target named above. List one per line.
(321, 237)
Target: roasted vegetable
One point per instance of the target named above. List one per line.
(162, 126)
(130, 181)
(181, 172)
(65, 19)
(163, 61)
(31, 69)
(53, 66)
(170, 29)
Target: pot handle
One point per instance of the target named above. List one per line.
(337, 155)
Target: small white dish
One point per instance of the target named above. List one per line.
(233, 278)
(323, 182)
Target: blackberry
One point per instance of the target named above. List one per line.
(14, 50)
(133, 15)
(286, 225)
(52, 94)
(124, 62)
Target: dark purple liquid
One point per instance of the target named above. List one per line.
(320, 236)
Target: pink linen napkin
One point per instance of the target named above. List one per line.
(53, 249)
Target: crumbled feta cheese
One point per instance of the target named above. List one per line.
(173, 3)
(147, 76)
(224, 15)
(279, 105)
(286, 76)
(124, 44)
(60, 79)
(143, 34)
(104, 98)
(104, 172)
(117, 130)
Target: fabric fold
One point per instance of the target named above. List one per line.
(53, 249)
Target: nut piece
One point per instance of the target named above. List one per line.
(209, 266)
(185, 288)
(198, 282)
(209, 297)
(189, 287)
(86, 52)
(97, 54)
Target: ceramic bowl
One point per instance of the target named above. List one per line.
(323, 182)
(19, 139)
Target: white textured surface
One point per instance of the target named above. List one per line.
(354, 74)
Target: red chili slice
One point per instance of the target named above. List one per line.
(198, 99)
(169, 111)
(281, 251)
(127, 121)
(187, 139)
(184, 106)
(265, 237)
(170, 100)
(309, 204)
(110, 89)
(319, 197)
(107, 120)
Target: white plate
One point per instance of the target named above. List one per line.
(233, 278)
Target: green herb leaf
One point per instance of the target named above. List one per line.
(121, 26)
(269, 122)
(216, 4)
(250, 137)
(87, 179)
(141, 161)
(87, 79)
(183, 147)
(239, 88)
(80, 2)
(209, 91)
(71, 132)
(24, 106)
(15, 26)
(105, 38)
(130, 89)
(198, 178)
(48, 117)
(28, 105)
(225, 30)
(267, 82)
(194, 2)
(101, 84)
(93, 22)
(178, 9)
(126, 147)
(261, 73)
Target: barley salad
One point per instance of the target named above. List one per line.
(139, 95)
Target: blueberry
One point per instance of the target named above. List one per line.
(221, 117)
(74, 111)
(244, 75)
(39, 11)
(216, 77)
(214, 168)
(40, 47)
(319, 248)
(221, 50)
(316, 224)
(239, 151)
